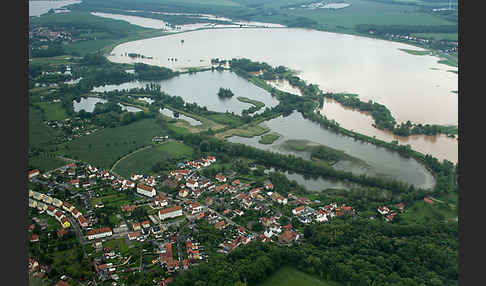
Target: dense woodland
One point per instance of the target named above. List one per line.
(352, 251)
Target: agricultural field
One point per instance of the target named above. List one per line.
(53, 110)
(39, 133)
(103, 148)
(438, 36)
(143, 161)
(288, 276)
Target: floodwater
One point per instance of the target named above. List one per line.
(87, 103)
(203, 87)
(315, 184)
(376, 161)
(284, 85)
(374, 69)
(159, 24)
(439, 146)
(190, 120)
(37, 8)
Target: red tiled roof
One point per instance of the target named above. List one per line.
(169, 210)
(146, 188)
(99, 230)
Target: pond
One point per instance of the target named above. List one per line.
(87, 103)
(315, 184)
(202, 88)
(170, 113)
(373, 160)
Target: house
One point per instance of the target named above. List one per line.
(67, 207)
(195, 208)
(183, 193)
(76, 213)
(34, 238)
(161, 200)
(182, 173)
(146, 224)
(65, 222)
(220, 178)
(170, 212)
(56, 202)
(269, 186)
(238, 212)
(135, 177)
(82, 221)
(38, 196)
(321, 216)
(185, 264)
(133, 235)
(298, 210)
(62, 283)
(146, 190)
(221, 188)
(278, 198)
(47, 199)
(99, 233)
(136, 226)
(51, 210)
(59, 215)
(383, 210)
(429, 201)
(86, 184)
(235, 182)
(390, 216)
(166, 281)
(268, 233)
(211, 159)
(192, 184)
(288, 237)
(33, 173)
(75, 182)
(304, 201)
(220, 225)
(32, 203)
(128, 208)
(41, 206)
(400, 206)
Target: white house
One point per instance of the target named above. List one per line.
(383, 210)
(56, 202)
(170, 212)
(146, 190)
(32, 203)
(192, 184)
(298, 210)
(33, 173)
(161, 200)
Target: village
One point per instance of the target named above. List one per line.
(162, 225)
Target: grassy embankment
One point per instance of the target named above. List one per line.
(256, 103)
(331, 155)
(103, 148)
(268, 138)
(288, 276)
(215, 122)
(142, 162)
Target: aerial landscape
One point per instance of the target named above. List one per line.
(243, 142)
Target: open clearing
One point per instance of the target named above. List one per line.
(287, 276)
(142, 162)
(105, 147)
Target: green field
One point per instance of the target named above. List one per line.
(103, 148)
(53, 110)
(117, 244)
(421, 211)
(39, 133)
(142, 162)
(288, 276)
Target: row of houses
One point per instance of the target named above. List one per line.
(47, 203)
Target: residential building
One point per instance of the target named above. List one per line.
(99, 233)
(33, 173)
(161, 200)
(170, 212)
(146, 190)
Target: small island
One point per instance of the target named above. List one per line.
(268, 138)
(225, 93)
